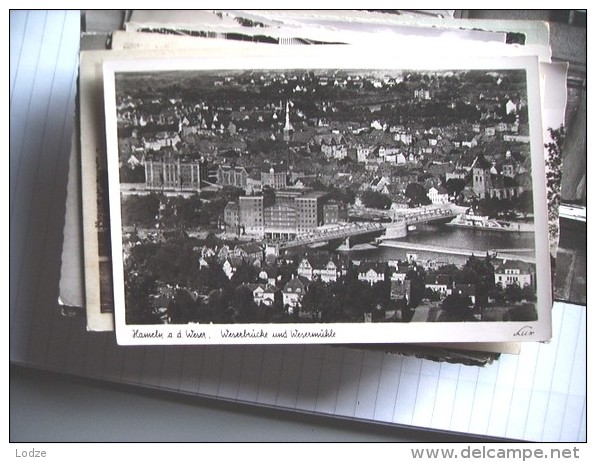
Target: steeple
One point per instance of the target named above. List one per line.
(288, 128)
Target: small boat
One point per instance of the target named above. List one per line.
(470, 220)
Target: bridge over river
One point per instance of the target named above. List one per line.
(335, 233)
(395, 227)
(425, 215)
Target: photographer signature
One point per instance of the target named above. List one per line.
(525, 331)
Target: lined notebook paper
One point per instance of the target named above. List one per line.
(539, 395)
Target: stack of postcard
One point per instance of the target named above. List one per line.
(336, 177)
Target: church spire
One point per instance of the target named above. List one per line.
(288, 128)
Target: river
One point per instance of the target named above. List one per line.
(466, 240)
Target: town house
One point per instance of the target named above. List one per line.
(372, 272)
(438, 195)
(231, 265)
(321, 267)
(293, 292)
(263, 294)
(249, 251)
(440, 283)
(513, 272)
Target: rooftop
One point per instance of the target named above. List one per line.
(313, 195)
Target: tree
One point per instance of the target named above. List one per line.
(456, 308)
(381, 293)
(316, 299)
(132, 175)
(354, 297)
(345, 196)
(455, 186)
(140, 210)
(432, 295)
(554, 175)
(481, 273)
(525, 203)
(416, 193)
(188, 211)
(243, 303)
(173, 262)
(522, 313)
(417, 277)
(376, 200)
(497, 293)
(181, 309)
(513, 293)
(245, 273)
(138, 286)
(211, 278)
(450, 269)
(220, 308)
(285, 271)
(528, 294)
(268, 196)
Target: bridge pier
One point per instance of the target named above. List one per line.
(395, 230)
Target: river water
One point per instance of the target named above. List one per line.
(474, 240)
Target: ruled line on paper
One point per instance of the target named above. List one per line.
(42, 97)
(445, 396)
(172, 365)
(370, 376)
(387, 390)
(18, 26)
(310, 378)
(25, 53)
(502, 393)
(230, 372)
(326, 399)
(407, 391)
(270, 376)
(211, 371)
(541, 386)
(428, 382)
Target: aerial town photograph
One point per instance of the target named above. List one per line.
(326, 196)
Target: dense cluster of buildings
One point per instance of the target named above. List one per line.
(292, 213)
(373, 150)
(287, 292)
(285, 149)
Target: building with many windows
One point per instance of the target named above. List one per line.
(287, 196)
(172, 175)
(251, 216)
(513, 272)
(274, 179)
(335, 212)
(292, 214)
(232, 176)
(231, 217)
(309, 209)
(280, 221)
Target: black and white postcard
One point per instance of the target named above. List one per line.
(327, 197)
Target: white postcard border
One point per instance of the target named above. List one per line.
(347, 58)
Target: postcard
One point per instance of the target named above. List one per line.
(333, 196)
(94, 184)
